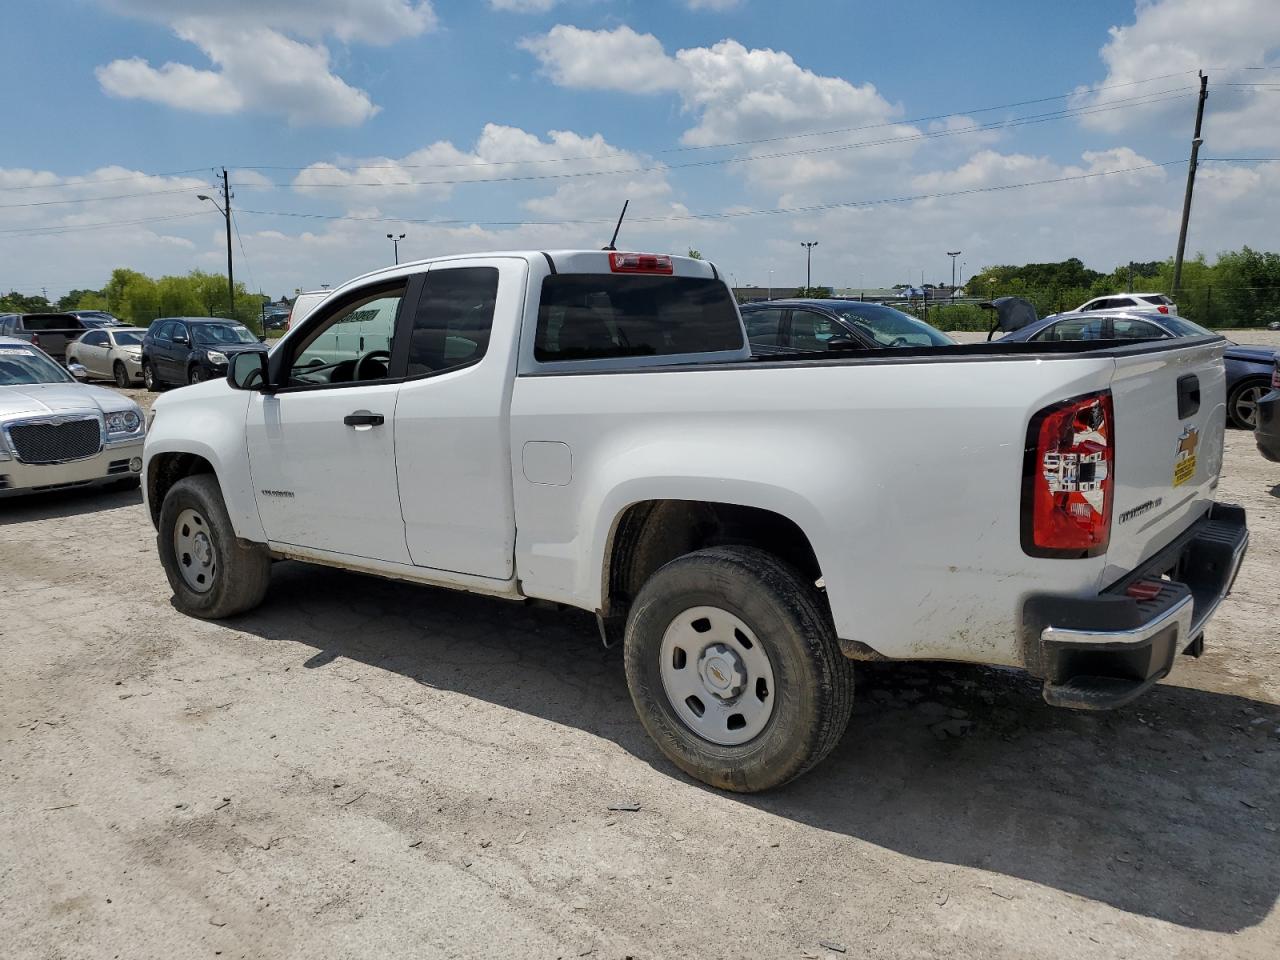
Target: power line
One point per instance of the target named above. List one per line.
(750, 158)
(99, 225)
(739, 143)
(118, 196)
(82, 182)
(776, 211)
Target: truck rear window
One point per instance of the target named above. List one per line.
(588, 316)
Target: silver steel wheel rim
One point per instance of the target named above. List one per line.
(1247, 404)
(717, 676)
(194, 551)
(147, 375)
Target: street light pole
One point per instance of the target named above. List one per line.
(808, 263)
(770, 285)
(396, 240)
(953, 271)
(225, 210)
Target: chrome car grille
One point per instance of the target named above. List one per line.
(54, 441)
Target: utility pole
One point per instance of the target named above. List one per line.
(808, 263)
(396, 240)
(1191, 183)
(953, 271)
(225, 210)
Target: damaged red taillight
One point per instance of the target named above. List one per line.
(1068, 478)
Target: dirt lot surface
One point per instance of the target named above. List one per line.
(371, 769)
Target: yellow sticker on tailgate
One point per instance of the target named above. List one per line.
(1184, 461)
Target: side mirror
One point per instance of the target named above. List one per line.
(842, 341)
(78, 371)
(248, 371)
(181, 338)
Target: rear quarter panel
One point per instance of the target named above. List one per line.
(904, 476)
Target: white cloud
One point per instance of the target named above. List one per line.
(618, 59)
(499, 152)
(1168, 36)
(260, 70)
(739, 94)
(260, 66)
(367, 21)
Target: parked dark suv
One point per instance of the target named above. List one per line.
(178, 350)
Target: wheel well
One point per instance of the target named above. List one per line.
(165, 470)
(655, 532)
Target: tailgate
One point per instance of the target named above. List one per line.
(1170, 417)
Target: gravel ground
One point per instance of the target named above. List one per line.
(373, 769)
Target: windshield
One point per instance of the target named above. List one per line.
(127, 338)
(215, 333)
(890, 327)
(19, 365)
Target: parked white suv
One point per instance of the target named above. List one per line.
(1129, 301)
(589, 428)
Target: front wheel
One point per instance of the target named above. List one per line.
(149, 377)
(1242, 405)
(213, 575)
(195, 375)
(121, 374)
(735, 670)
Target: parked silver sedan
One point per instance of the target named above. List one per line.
(56, 433)
(110, 353)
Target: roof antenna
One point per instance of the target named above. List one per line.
(613, 244)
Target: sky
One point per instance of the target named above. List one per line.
(889, 133)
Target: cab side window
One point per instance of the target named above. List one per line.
(454, 318)
(94, 339)
(352, 344)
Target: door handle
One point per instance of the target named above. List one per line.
(363, 419)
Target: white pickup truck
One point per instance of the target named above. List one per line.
(589, 428)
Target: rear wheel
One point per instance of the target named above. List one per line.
(213, 575)
(734, 668)
(121, 374)
(1242, 405)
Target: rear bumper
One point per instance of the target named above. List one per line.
(1103, 652)
(1267, 429)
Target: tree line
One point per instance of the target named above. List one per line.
(138, 299)
(1241, 288)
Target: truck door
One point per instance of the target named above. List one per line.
(452, 446)
(322, 449)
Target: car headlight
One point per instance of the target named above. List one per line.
(123, 421)
(217, 357)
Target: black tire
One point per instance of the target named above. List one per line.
(151, 378)
(1238, 418)
(121, 374)
(195, 374)
(813, 680)
(242, 572)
